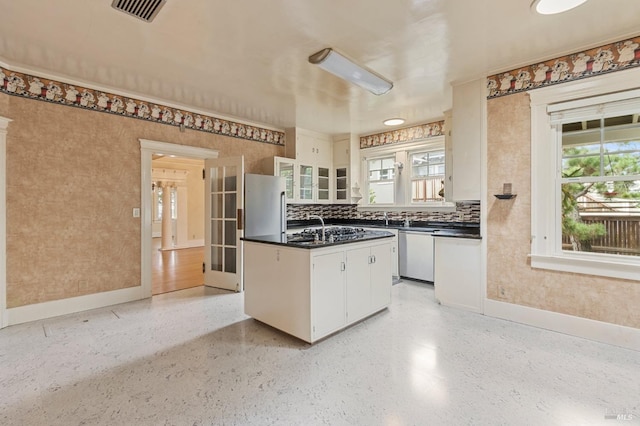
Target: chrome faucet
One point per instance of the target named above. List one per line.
(315, 216)
(386, 219)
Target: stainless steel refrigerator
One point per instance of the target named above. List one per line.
(265, 206)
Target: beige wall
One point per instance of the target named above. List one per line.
(509, 276)
(73, 177)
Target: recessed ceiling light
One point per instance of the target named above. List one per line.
(550, 7)
(393, 122)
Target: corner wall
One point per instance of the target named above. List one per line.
(510, 277)
(73, 177)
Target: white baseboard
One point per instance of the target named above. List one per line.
(604, 332)
(72, 305)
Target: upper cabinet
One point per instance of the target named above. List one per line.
(309, 147)
(467, 133)
(316, 167)
(308, 168)
(341, 160)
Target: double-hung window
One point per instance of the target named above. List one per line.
(381, 180)
(586, 181)
(599, 183)
(427, 176)
(405, 176)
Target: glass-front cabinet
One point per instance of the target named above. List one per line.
(305, 183)
(342, 184)
(285, 167)
(323, 193)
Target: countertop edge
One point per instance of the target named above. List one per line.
(316, 246)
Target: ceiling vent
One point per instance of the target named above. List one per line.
(141, 9)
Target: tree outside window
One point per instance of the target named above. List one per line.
(600, 185)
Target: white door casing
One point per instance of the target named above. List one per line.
(147, 149)
(224, 201)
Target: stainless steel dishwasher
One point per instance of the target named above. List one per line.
(415, 250)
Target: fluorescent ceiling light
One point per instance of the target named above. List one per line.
(550, 7)
(332, 61)
(393, 122)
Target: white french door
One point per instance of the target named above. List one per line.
(224, 200)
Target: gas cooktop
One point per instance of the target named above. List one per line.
(331, 233)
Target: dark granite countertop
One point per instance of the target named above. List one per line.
(279, 239)
(438, 229)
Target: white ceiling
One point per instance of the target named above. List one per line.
(247, 59)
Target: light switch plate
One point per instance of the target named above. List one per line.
(136, 212)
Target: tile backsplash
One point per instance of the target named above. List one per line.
(469, 209)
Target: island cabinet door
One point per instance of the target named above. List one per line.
(381, 276)
(328, 294)
(358, 283)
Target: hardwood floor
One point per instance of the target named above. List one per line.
(175, 269)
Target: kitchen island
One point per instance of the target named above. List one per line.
(311, 289)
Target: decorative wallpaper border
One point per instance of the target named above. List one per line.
(15, 83)
(408, 134)
(612, 57)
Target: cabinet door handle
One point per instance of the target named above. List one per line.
(343, 266)
(370, 260)
(374, 259)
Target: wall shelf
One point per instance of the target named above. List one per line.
(505, 196)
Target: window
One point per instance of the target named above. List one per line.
(403, 177)
(157, 205)
(585, 171)
(173, 196)
(427, 176)
(600, 184)
(381, 179)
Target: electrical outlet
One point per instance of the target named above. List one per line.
(460, 216)
(502, 292)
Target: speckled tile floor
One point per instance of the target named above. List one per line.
(193, 358)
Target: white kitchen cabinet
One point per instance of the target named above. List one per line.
(309, 147)
(287, 168)
(311, 293)
(314, 183)
(416, 255)
(313, 153)
(341, 159)
(358, 276)
(368, 280)
(305, 182)
(380, 273)
(457, 279)
(394, 248)
(328, 293)
(468, 132)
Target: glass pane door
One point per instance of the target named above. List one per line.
(341, 183)
(285, 169)
(306, 183)
(323, 184)
(224, 190)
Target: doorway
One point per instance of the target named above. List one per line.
(148, 149)
(177, 223)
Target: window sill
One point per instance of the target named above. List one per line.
(442, 206)
(589, 265)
